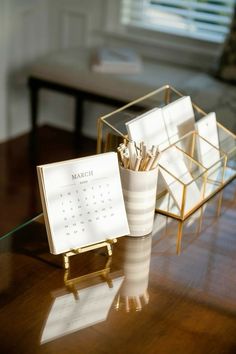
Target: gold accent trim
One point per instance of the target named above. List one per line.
(72, 283)
(107, 243)
(164, 212)
(168, 91)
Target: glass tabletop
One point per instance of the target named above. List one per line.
(171, 291)
(23, 225)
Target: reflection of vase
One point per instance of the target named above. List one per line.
(136, 253)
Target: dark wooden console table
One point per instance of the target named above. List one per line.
(69, 73)
(35, 84)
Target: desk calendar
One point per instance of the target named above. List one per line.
(82, 201)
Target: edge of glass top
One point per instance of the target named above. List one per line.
(21, 226)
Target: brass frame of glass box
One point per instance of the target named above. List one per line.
(167, 90)
(182, 229)
(206, 172)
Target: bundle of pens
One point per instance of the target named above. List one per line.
(138, 158)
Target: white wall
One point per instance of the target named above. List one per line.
(24, 38)
(30, 29)
(3, 71)
(73, 23)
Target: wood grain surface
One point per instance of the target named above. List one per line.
(190, 281)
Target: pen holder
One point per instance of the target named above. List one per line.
(139, 191)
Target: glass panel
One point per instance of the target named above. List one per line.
(113, 125)
(166, 203)
(197, 154)
(227, 142)
(185, 183)
(213, 159)
(38, 218)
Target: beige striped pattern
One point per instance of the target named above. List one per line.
(136, 255)
(139, 191)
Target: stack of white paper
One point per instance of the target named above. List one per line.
(116, 60)
(149, 128)
(163, 126)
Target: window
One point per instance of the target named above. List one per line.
(207, 20)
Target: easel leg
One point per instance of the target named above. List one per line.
(34, 93)
(78, 119)
(66, 261)
(109, 249)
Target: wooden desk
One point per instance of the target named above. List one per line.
(190, 282)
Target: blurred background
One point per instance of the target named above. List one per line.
(190, 45)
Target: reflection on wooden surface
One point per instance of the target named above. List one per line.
(205, 243)
(190, 281)
(69, 313)
(72, 283)
(135, 253)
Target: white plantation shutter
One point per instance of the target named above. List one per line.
(202, 19)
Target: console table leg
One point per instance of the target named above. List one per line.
(34, 113)
(79, 111)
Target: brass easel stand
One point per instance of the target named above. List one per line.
(72, 283)
(67, 255)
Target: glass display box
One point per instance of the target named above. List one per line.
(209, 167)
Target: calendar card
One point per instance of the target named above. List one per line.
(207, 128)
(207, 155)
(172, 161)
(82, 201)
(179, 118)
(149, 128)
